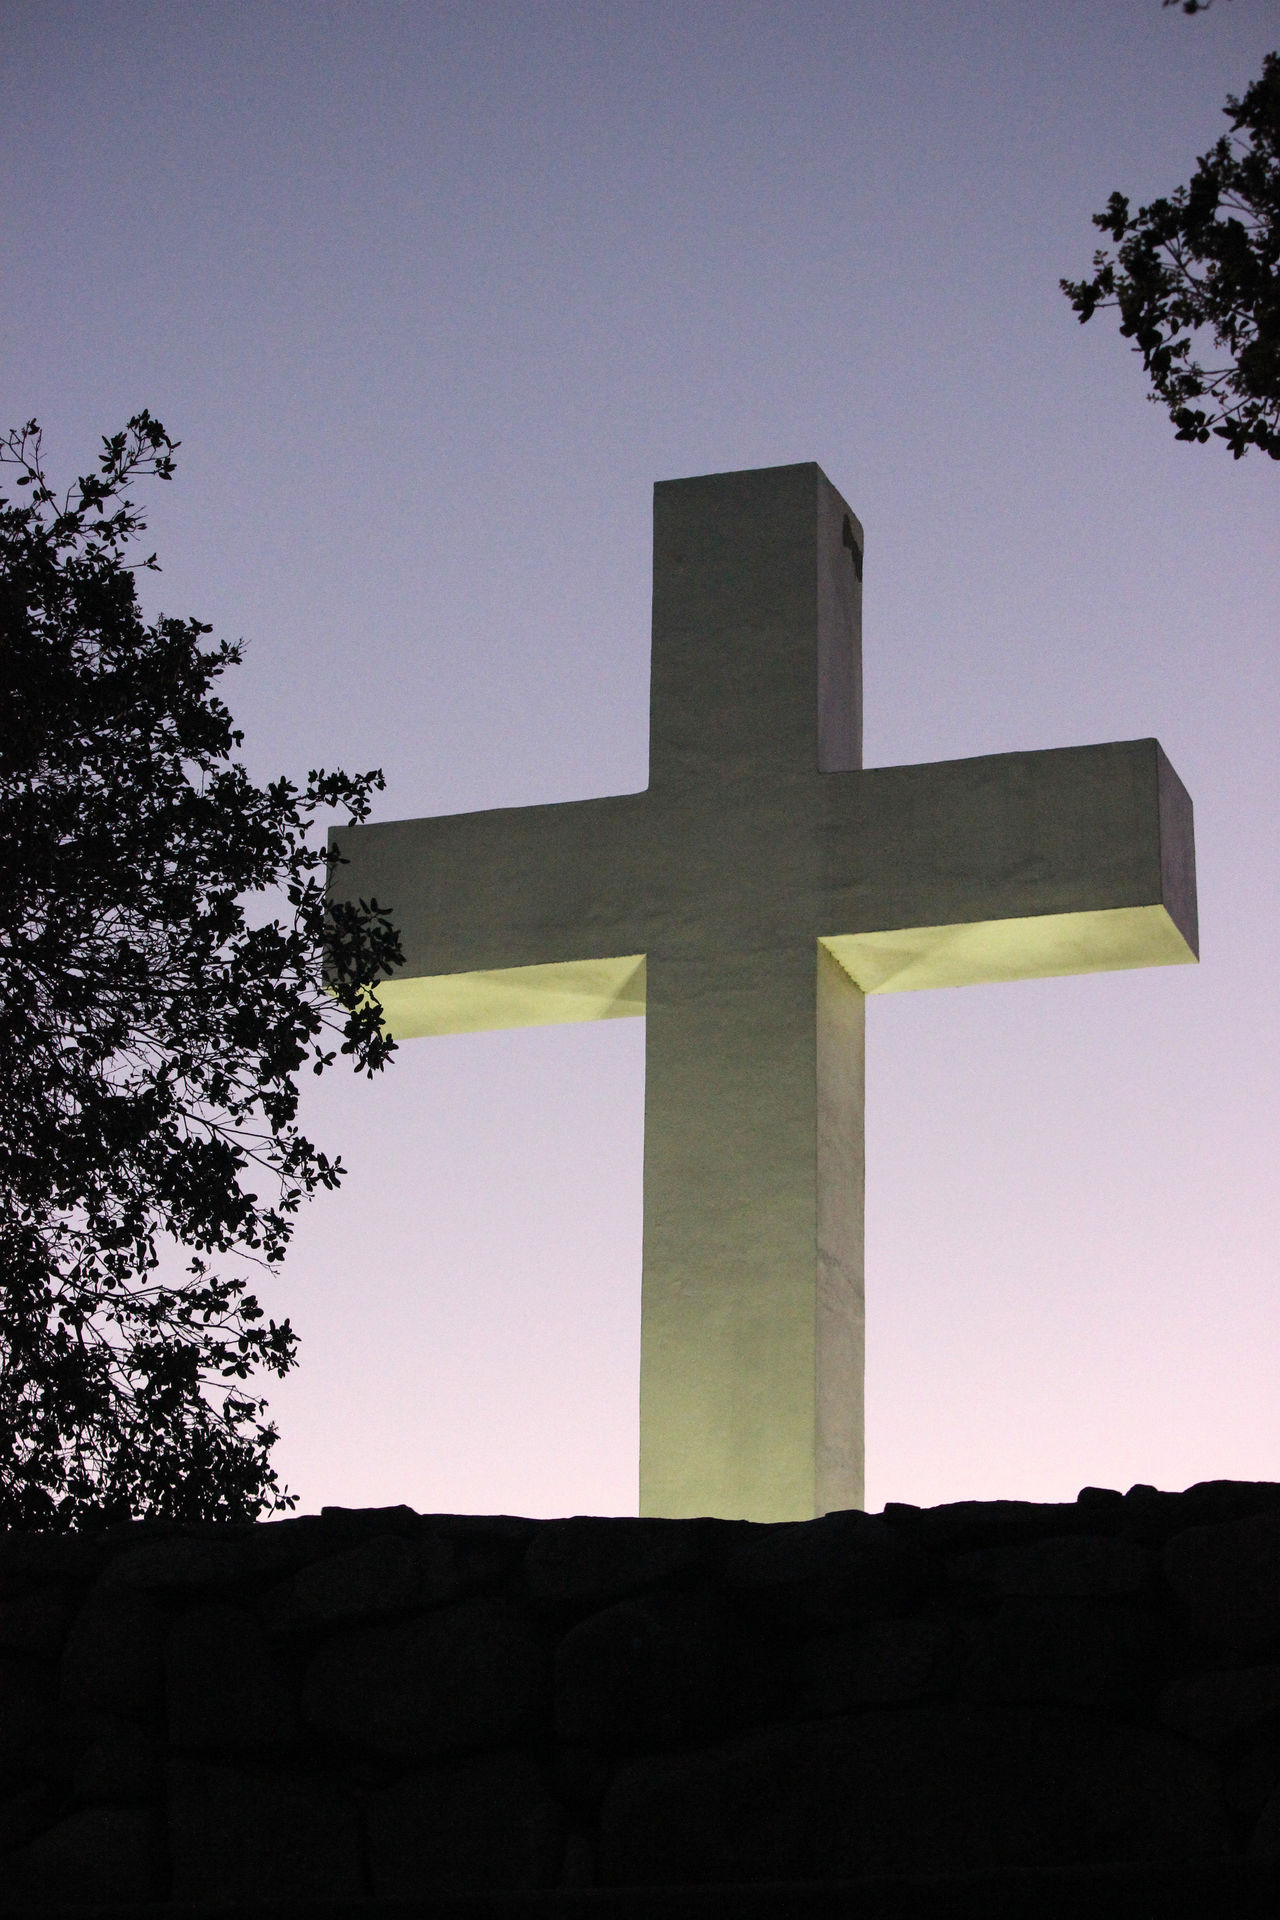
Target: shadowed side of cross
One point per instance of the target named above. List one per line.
(746, 902)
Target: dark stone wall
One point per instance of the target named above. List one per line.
(396, 1705)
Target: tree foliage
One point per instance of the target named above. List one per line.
(163, 937)
(1196, 281)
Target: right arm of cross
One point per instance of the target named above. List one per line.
(1011, 866)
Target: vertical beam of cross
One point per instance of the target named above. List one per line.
(745, 902)
(751, 1347)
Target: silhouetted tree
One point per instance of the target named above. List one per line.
(163, 933)
(1203, 266)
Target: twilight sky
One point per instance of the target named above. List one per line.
(432, 294)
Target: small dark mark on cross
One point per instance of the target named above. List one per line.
(853, 546)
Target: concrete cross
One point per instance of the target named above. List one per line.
(745, 903)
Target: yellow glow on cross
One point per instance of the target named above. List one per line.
(1048, 945)
(548, 996)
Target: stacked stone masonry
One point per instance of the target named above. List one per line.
(391, 1704)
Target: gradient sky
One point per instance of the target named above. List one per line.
(432, 294)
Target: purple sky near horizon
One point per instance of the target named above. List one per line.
(432, 295)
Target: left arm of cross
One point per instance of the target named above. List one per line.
(520, 916)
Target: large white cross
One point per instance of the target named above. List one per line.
(745, 903)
